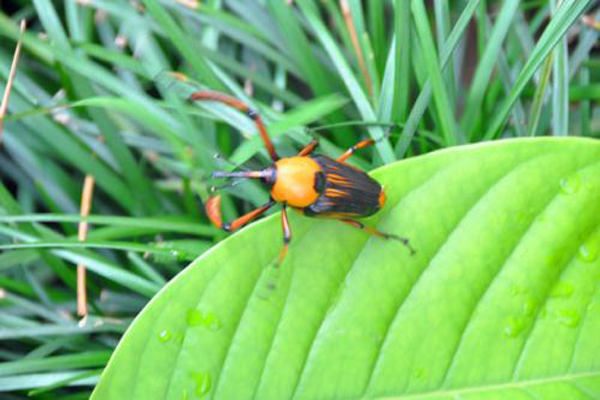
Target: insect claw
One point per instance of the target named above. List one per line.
(412, 250)
(404, 241)
(407, 244)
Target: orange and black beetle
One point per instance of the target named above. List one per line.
(314, 184)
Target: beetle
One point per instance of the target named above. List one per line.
(316, 185)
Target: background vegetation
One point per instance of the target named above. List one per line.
(93, 97)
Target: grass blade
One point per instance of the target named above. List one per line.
(423, 100)
(182, 41)
(472, 118)
(566, 14)
(540, 96)
(560, 86)
(440, 92)
(358, 96)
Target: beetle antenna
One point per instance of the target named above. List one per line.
(219, 156)
(227, 185)
(240, 174)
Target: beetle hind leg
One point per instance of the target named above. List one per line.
(309, 148)
(243, 107)
(383, 235)
(361, 145)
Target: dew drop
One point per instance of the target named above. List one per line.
(211, 321)
(420, 374)
(588, 252)
(203, 383)
(513, 327)
(179, 338)
(529, 307)
(563, 289)
(516, 290)
(194, 317)
(589, 186)
(568, 317)
(164, 336)
(552, 259)
(570, 185)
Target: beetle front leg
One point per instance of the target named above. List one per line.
(375, 232)
(287, 234)
(213, 210)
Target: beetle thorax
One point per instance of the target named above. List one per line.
(295, 181)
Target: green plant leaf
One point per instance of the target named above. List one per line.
(500, 300)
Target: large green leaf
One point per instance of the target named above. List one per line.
(500, 300)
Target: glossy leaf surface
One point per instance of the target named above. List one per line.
(501, 299)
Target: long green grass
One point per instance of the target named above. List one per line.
(93, 96)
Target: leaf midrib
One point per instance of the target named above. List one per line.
(501, 386)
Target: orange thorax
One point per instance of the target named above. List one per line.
(295, 181)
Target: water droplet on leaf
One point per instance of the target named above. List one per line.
(203, 383)
(420, 374)
(563, 289)
(211, 321)
(194, 317)
(552, 259)
(529, 307)
(568, 317)
(516, 290)
(588, 252)
(164, 336)
(513, 326)
(570, 185)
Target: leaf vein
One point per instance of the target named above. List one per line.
(583, 319)
(403, 301)
(457, 349)
(563, 268)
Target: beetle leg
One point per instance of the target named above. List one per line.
(243, 107)
(375, 232)
(309, 148)
(213, 210)
(361, 145)
(351, 150)
(287, 234)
